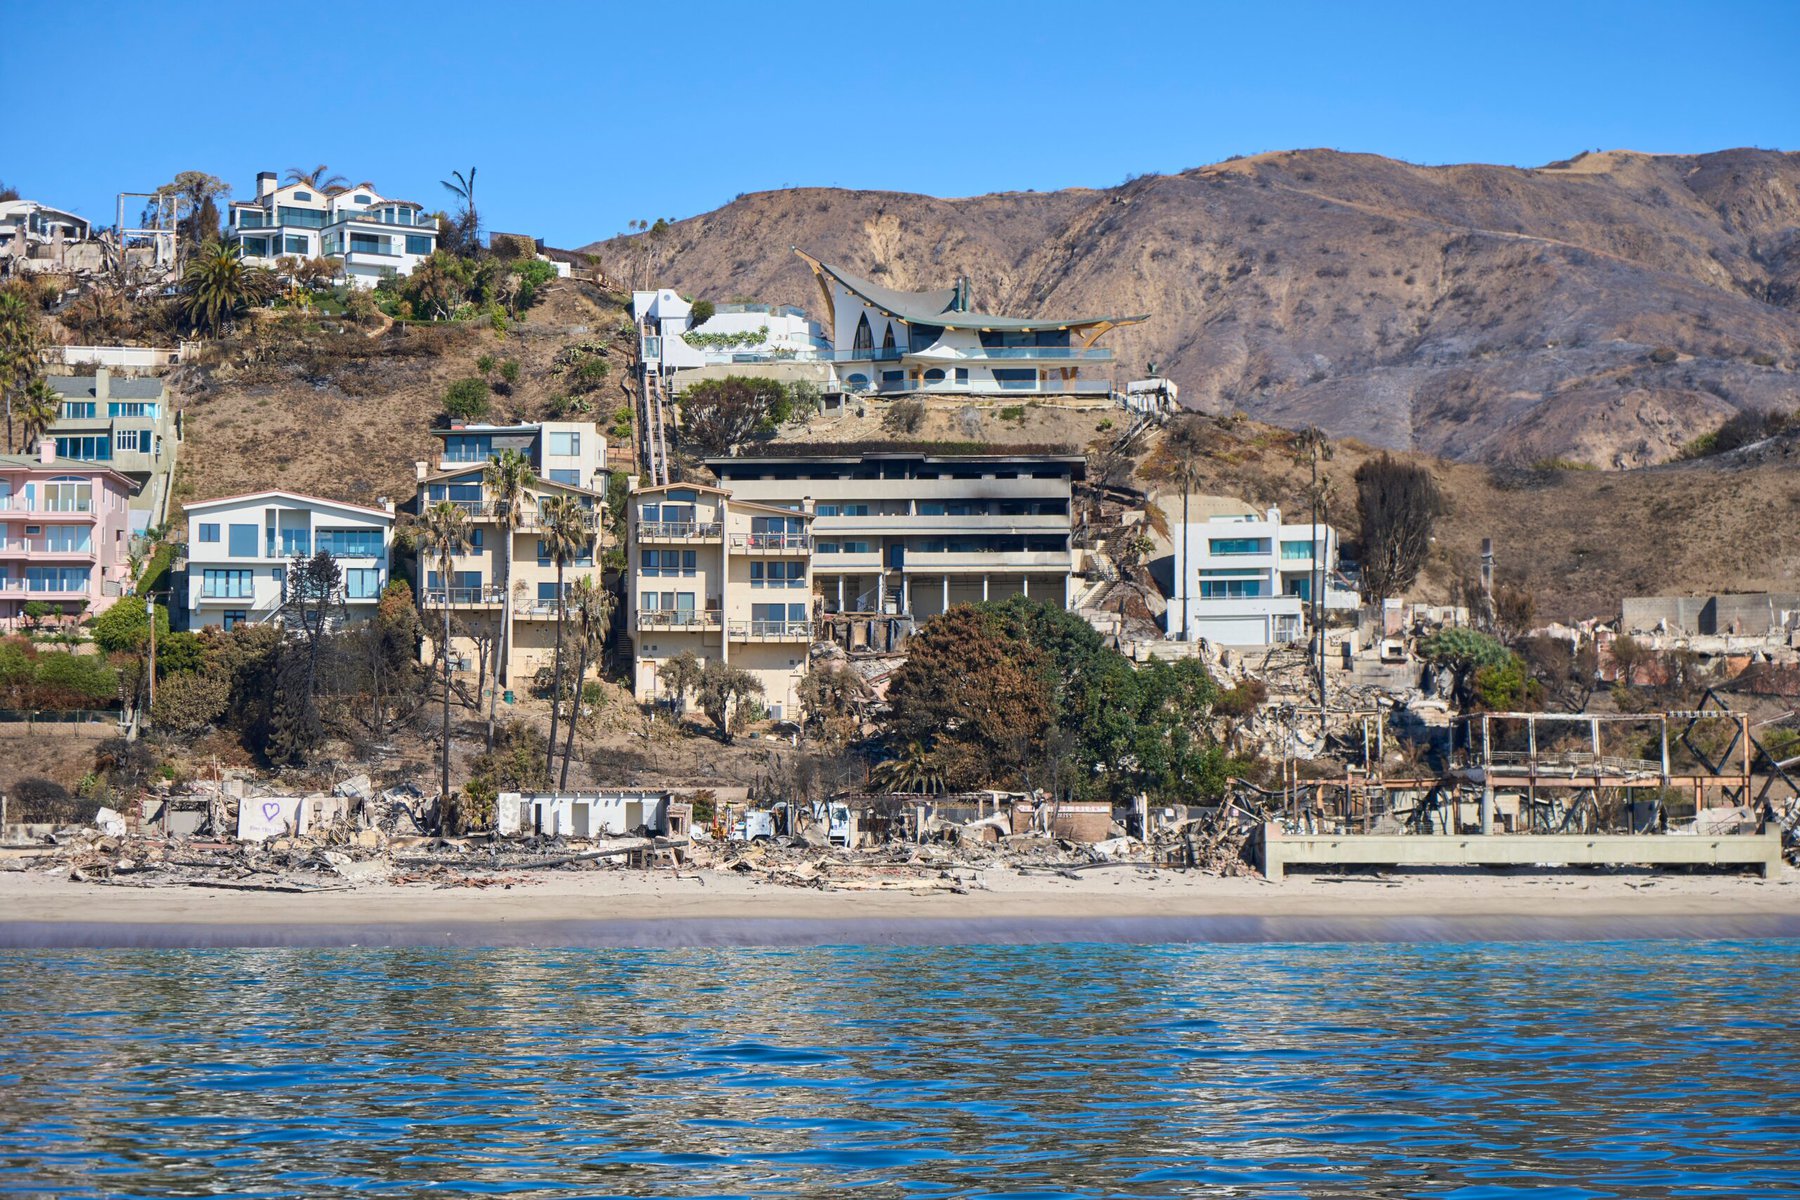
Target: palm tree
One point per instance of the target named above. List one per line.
(320, 181)
(18, 350)
(219, 286)
(593, 606)
(463, 189)
(508, 479)
(444, 533)
(38, 410)
(468, 227)
(566, 533)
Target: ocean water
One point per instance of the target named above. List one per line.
(1559, 1069)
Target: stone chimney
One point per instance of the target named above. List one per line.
(265, 184)
(420, 470)
(46, 450)
(102, 384)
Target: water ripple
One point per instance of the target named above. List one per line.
(1473, 1071)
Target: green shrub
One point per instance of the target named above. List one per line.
(1013, 412)
(700, 312)
(467, 399)
(485, 363)
(509, 370)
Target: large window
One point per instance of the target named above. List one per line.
(250, 218)
(68, 495)
(352, 543)
(131, 408)
(56, 579)
(77, 410)
(1233, 589)
(132, 439)
(68, 539)
(458, 493)
(1296, 550)
(227, 583)
(94, 448)
(566, 475)
(362, 583)
(243, 541)
(294, 243)
(1226, 547)
(565, 442)
(666, 562)
(305, 218)
(418, 244)
(368, 243)
(209, 531)
(296, 541)
(583, 557)
(778, 574)
(468, 448)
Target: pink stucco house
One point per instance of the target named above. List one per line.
(63, 533)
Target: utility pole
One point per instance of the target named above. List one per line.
(150, 612)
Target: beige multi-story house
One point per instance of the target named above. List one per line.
(126, 424)
(913, 533)
(726, 578)
(568, 458)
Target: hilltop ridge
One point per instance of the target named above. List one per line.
(1608, 308)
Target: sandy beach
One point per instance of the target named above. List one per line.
(622, 907)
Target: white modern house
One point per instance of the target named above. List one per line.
(373, 237)
(240, 548)
(735, 333)
(1243, 578)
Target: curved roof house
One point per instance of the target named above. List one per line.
(892, 343)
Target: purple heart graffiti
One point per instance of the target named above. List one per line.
(271, 810)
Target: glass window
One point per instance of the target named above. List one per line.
(94, 448)
(362, 583)
(77, 410)
(1296, 549)
(243, 541)
(566, 475)
(296, 541)
(352, 543)
(368, 243)
(68, 495)
(235, 617)
(827, 548)
(1231, 546)
(209, 531)
(56, 579)
(302, 196)
(1222, 589)
(565, 442)
(294, 243)
(359, 198)
(68, 539)
(131, 408)
(418, 243)
(250, 218)
(225, 583)
(475, 539)
(132, 439)
(306, 218)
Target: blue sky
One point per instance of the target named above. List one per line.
(581, 117)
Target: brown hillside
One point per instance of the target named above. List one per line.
(347, 416)
(1475, 312)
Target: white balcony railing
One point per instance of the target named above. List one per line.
(792, 543)
(676, 531)
(678, 618)
(774, 631)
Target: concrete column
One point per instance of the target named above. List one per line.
(946, 593)
(840, 593)
(984, 588)
(1025, 583)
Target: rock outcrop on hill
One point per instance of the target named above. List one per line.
(1607, 309)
